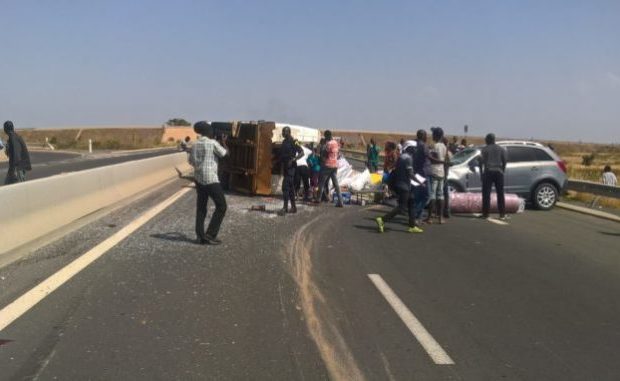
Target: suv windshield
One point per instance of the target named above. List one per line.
(463, 156)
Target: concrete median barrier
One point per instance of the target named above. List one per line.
(35, 208)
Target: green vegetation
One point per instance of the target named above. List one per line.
(178, 122)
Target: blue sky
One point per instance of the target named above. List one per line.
(541, 69)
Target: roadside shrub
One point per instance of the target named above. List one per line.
(587, 160)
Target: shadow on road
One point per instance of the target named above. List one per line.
(610, 233)
(373, 229)
(174, 237)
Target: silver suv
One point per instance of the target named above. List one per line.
(534, 172)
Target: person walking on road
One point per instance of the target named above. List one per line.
(204, 157)
(404, 175)
(438, 175)
(290, 152)
(372, 156)
(422, 168)
(330, 169)
(609, 178)
(17, 152)
(492, 167)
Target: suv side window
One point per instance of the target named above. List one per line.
(541, 155)
(522, 154)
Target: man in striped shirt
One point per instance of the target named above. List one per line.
(204, 158)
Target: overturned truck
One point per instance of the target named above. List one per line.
(251, 166)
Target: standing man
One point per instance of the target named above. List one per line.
(422, 168)
(446, 186)
(438, 174)
(372, 156)
(290, 152)
(330, 169)
(492, 167)
(452, 147)
(403, 177)
(19, 158)
(204, 157)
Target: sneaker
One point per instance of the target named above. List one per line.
(282, 212)
(293, 210)
(380, 224)
(415, 229)
(339, 205)
(504, 218)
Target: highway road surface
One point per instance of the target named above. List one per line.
(314, 296)
(49, 163)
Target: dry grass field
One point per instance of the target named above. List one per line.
(103, 138)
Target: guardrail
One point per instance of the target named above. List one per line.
(593, 188)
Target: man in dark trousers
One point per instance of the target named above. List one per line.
(403, 176)
(422, 168)
(492, 167)
(204, 157)
(19, 158)
(290, 152)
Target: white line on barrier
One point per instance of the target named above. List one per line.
(432, 347)
(28, 300)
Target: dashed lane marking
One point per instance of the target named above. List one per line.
(430, 345)
(21, 305)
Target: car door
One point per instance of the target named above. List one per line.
(473, 181)
(519, 169)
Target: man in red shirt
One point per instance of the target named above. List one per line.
(329, 169)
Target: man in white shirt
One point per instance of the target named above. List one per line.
(302, 174)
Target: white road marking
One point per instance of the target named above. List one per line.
(28, 300)
(496, 221)
(432, 347)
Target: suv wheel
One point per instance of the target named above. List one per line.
(545, 195)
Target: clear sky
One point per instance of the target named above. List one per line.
(542, 69)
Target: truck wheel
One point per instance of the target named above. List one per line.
(545, 196)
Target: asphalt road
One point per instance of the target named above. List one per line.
(289, 298)
(48, 163)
